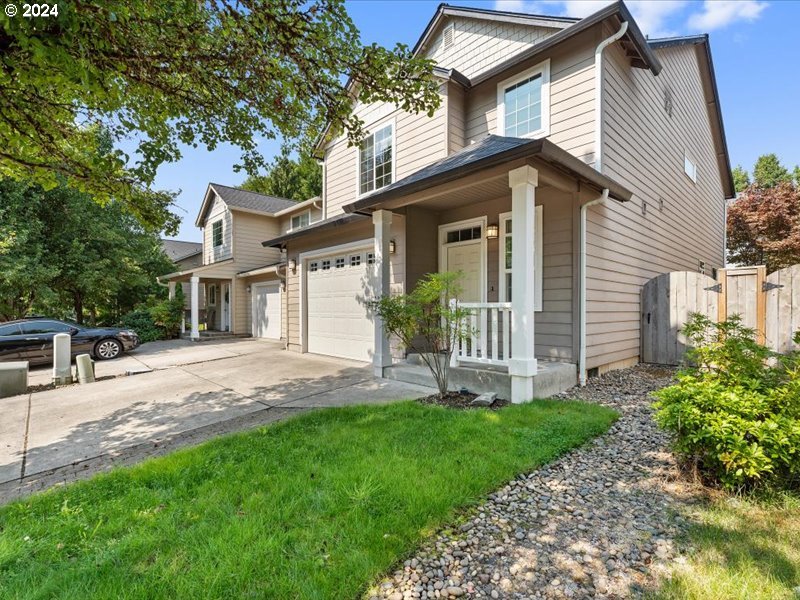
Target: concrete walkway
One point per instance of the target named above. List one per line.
(70, 433)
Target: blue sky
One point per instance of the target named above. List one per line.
(755, 47)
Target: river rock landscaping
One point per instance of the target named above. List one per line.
(601, 522)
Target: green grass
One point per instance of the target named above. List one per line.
(743, 549)
(314, 507)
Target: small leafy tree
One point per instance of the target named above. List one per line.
(429, 321)
(168, 314)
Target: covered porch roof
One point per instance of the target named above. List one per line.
(480, 171)
(219, 270)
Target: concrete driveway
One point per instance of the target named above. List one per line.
(196, 391)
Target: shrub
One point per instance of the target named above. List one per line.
(140, 321)
(735, 410)
(159, 321)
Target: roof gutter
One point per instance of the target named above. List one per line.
(598, 95)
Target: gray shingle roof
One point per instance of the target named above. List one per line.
(251, 200)
(178, 250)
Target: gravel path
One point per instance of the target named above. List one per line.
(600, 522)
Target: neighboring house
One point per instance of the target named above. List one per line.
(569, 162)
(185, 256)
(239, 282)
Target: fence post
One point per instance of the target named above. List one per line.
(722, 308)
(761, 305)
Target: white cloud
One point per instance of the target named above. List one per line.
(656, 18)
(720, 13)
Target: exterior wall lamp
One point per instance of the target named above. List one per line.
(392, 247)
(492, 231)
(292, 264)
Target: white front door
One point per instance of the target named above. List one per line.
(466, 257)
(462, 247)
(267, 310)
(338, 287)
(226, 307)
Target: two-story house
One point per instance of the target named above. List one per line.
(569, 162)
(238, 285)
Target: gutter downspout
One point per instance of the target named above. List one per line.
(582, 328)
(598, 95)
(598, 165)
(284, 285)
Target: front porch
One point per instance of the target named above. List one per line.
(506, 213)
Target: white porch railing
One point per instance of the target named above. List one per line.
(489, 338)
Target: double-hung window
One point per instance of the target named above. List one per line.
(523, 103)
(301, 220)
(506, 248)
(376, 160)
(216, 233)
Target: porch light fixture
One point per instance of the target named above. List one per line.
(392, 247)
(492, 231)
(292, 264)
(248, 289)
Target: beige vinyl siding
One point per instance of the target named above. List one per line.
(361, 230)
(554, 335)
(644, 150)
(456, 103)
(249, 231)
(286, 220)
(218, 211)
(419, 140)
(571, 98)
(480, 45)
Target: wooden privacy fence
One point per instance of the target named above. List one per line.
(770, 304)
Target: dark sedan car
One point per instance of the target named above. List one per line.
(32, 340)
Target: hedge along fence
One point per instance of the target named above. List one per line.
(768, 304)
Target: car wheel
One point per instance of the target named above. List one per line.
(107, 349)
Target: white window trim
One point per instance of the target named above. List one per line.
(455, 226)
(300, 214)
(538, 260)
(221, 222)
(544, 69)
(686, 162)
(302, 259)
(391, 123)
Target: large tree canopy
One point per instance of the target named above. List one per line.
(63, 254)
(184, 72)
(769, 172)
(297, 179)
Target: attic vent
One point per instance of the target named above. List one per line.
(448, 36)
(668, 105)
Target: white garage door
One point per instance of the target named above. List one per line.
(267, 311)
(338, 287)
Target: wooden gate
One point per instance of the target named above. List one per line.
(769, 305)
(782, 299)
(667, 302)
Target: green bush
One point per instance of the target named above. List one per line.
(141, 321)
(735, 410)
(160, 320)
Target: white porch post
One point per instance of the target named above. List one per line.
(195, 332)
(382, 220)
(522, 365)
(171, 285)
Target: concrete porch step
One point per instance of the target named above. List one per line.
(208, 336)
(552, 378)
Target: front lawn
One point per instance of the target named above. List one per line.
(743, 549)
(314, 507)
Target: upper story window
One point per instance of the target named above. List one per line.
(690, 168)
(216, 233)
(301, 220)
(523, 103)
(376, 160)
